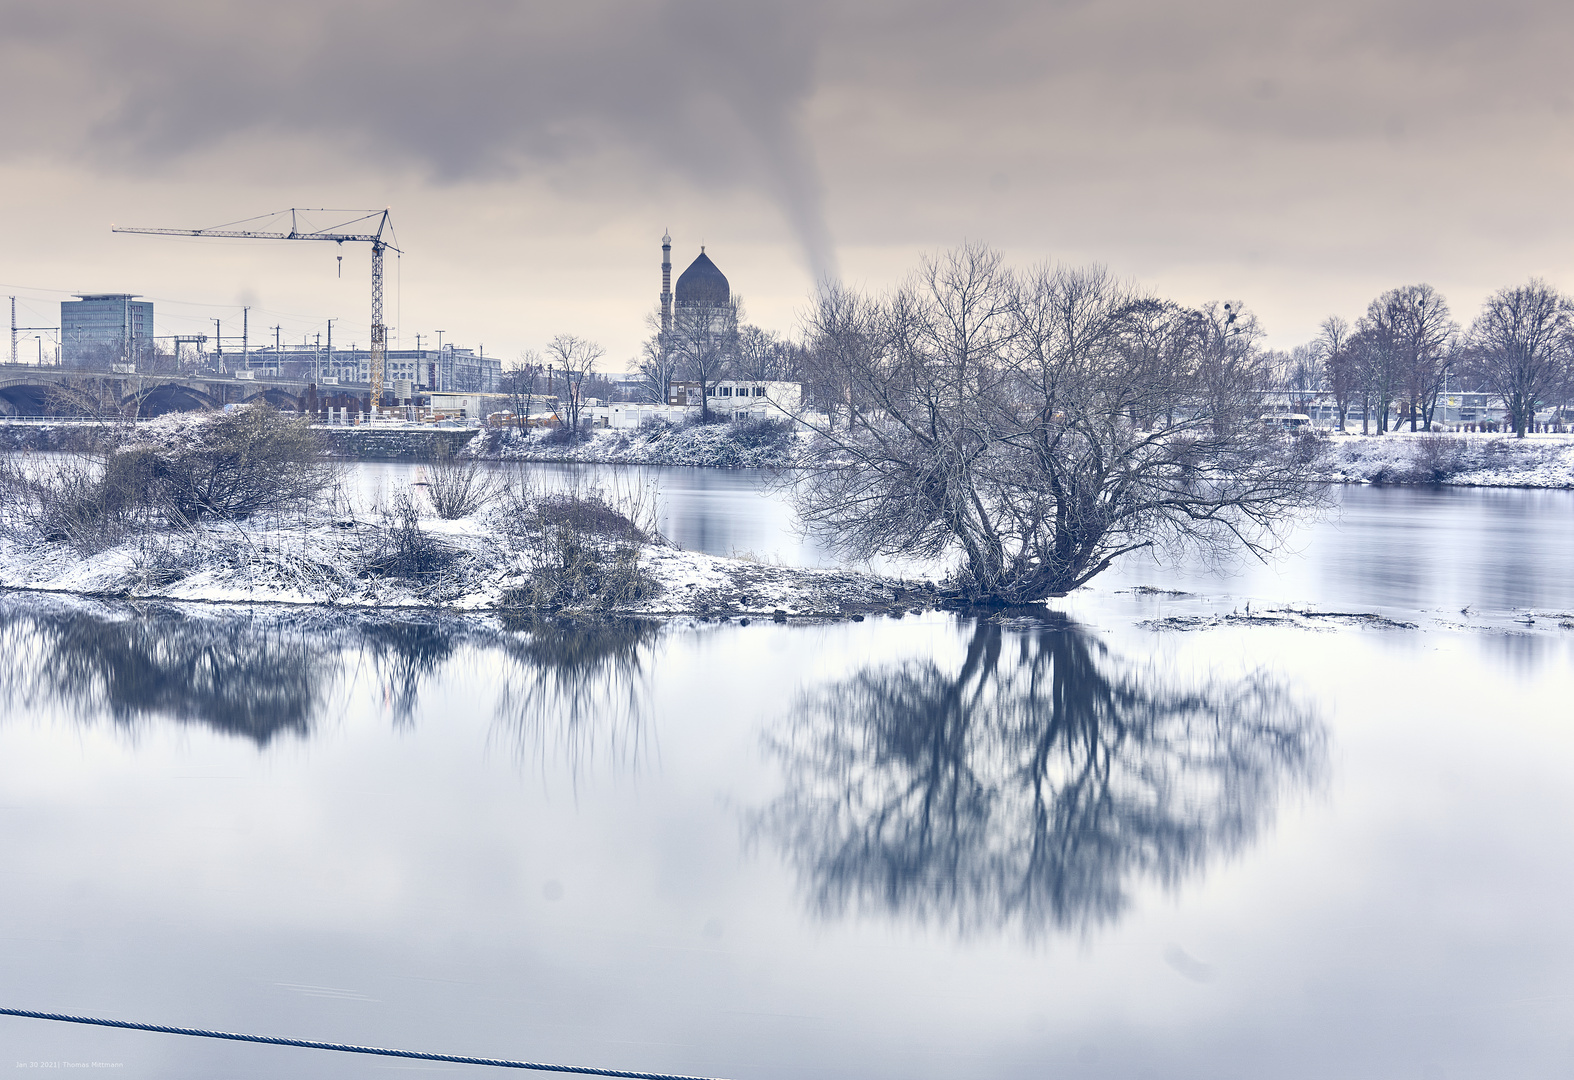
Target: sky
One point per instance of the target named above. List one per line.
(1300, 157)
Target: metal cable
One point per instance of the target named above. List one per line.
(345, 1048)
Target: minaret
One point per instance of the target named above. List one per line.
(666, 283)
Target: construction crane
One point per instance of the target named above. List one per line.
(379, 245)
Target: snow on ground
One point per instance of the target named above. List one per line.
(720, 445)
(1536, 461)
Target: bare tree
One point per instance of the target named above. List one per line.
(576, 358)
(844, 337)
(1409, 358)
(519, 380)
(1521, 348)
(1042, 425)
(766, 355)
(658, 362)
(1302, 377)
(1231, 371)
(703, 344)
(1341, 372)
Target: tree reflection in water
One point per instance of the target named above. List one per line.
(407, 652)
(1036, 786)
(564, 688)
(255, 678)
(576, 690)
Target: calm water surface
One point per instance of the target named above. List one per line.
(918, 847)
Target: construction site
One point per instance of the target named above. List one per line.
(105, 345)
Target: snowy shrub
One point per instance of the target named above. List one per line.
(580, 548)
(227, 466)
(761, 433)
(175, 472)
(62, 501)
(1438, 460)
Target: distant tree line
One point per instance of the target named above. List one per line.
(1393, 364)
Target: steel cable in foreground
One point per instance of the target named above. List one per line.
(345, 1048)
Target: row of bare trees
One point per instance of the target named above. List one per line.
(565, 371)
(707, 343)
(1043, 423)
(1395, 362)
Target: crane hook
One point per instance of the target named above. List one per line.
(341, 265)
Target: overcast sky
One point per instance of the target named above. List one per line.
(1299, 157)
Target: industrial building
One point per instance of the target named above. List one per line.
(449, 369)
(99, 329)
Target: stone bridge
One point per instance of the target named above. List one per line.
(29, 390)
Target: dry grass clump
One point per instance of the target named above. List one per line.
(459, 486)
(402, 549)
(580, 547)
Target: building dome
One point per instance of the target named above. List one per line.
(702, 284)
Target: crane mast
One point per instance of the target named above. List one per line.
(376, 239)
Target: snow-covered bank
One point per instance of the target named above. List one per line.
(740, 445)
(466, 566)
(1536, 461)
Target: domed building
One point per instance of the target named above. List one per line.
(702, 285)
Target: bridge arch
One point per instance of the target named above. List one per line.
(172, 397)
(279, 399)
(46, 399)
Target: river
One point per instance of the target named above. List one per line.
(927, 846)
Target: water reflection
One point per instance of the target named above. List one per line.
(578, 691)
(256, 679)
(406, 654)
(1037, 785)
(564, 688)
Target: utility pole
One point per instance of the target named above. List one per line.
(278, 353)
(218, 342)
(330, 347)
(245, 347)
(317, 361)
(437, 379)
(13, 329)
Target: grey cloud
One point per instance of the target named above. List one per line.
(706, 91)
(905, 102)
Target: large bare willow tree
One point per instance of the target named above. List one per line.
(1041, 424)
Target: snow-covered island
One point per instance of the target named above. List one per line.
(243, 507)
(465, 565)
